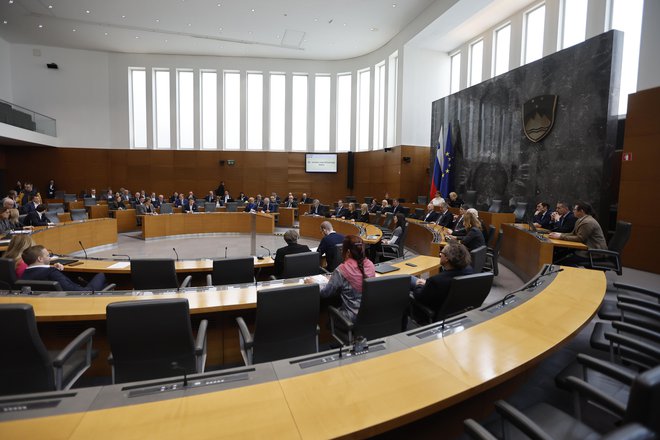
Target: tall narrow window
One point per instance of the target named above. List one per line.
(185, 113)
(502, 50)
(534, 31)
(255, 110)
(344, 112)
(476, 62)
(162, 108)
(455, 76)
(574, 22)
(627, 17)
(379, 106)
(232, 110)
(209, 109)
(277, 110)
(299, 113)
(322, 113)
(138, 108)
(392, 104)
(364, 82)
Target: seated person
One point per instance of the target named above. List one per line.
(542, 215)
(305, 199)
(431, 215)
(437, 199)
(587, 231)
(210, 197)
(15, 220)
(562, 220)
(251, 206)
(473, 238)
(328, 242)
(37, 259)
(225, 198)
(117, 203)
(38, 217)
(316, 208)
(398, 227)
(17, 245)
(159, 201)
(145, 207)
(346, 280)
(454, 200)
(174, 197)
(340, 211)
(363, 214)
(242, 198)
(290, 202)
(352, 213)
(190, 206)
(455, 261)
(5, 224)
(268, 206)
(259, 201)
(32, 205)
(446, 218)
(374, 206)
(292, 247)
(180, 202)
(459, 226)
(385, 206)
(396, 206)
(274, 198)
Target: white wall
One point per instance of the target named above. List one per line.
(649, 61)
(76, 94)
(5, 71)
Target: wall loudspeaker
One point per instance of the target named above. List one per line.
(222, 163)
(407, 159)
(52, 66)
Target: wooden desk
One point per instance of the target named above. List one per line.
(496, 219)
(64, 238)
(310, 227)
(364, 398)
(525, 254)
(287, 217)
(212, 222)
(126, 219)
(78, 204)
(425, 238)
(98, 211)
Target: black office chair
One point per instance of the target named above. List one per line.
(419, 214)
(382, 310)
(209, 207)
(520, 211)
(609, 310)
(368, 200)
(422, 200)
(231, 206)
(495, 206)
(39, 285)
(231, 271)
(610, 259)
(392, 251)
(302, 265)
(147, 337)
(27, 367)
(493, 254)
(166, 208)
(70, 198)
(88, 201)
(157, 273)
(55, 207)
(478, 258)
(489, 234)
(52, 217)
(79, 214)
(470, 199)
(7, 273)
(286, 324)
(466, 292)
(336, 260)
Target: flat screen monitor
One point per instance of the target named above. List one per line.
(321, 163)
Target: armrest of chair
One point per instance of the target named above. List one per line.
(629, 299)
(335, 314)
(323, 271)
(82, 339)
(209, 279)
(651, 312)
(200, 345)
(520, 421)
(614, 371)
(638, 289)
(604, 252)
(636, 330)
(418, 306)
(630, 431)
(635, 344)
(477, 432)
(245, 340)
(109, 287)
(186, 282)
(593, 394)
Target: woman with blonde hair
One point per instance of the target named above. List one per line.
(473, 238)
(363, 215)
(17, 245)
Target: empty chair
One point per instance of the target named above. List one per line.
(166, 208)
(231, 271)
(382, 310)
(492, 255)
(422, 200)
(79, 214)
(495, 206)
(470, 199)
(610, 258)
(55, 207)
(368, 200)
(419, 214)
(232, 206)
(478, 258)
(69, 198)
(209, 207)
(52, 217)
(59, 194)
(7, 273)
(489, 234)
(27, 367)
(350, 199)
(157, 273)
(301, 265)
(286, 324)
(520, 211)
(89, 201)
(147, 338)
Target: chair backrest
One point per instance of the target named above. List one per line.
(166, 208)
(644, 399)
(498, 243)
(383, 306)
(55, 207)
(200, 202)
(145, 337)
(157, 273)
(88, 201)
(419, 213)
(350, 199)
(470, 199)
(79, 214)
(388, 219)
(26, 365)
(8, 271)
(495, 206)
(521, 209)
(478, 258)
(69, 198)
(302, 264)
(422, 200)
(286, 322)
(233, 271)
(59, 194)
(209, 207)
(620, 237)
(231, 206)
(52, 217)
(466, 292)
(489, 234)
(39, 285)
(336, 259)
(324, 209)
(368, 200)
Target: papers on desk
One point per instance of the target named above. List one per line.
(120, 265)
(321, 280)
(314, 249)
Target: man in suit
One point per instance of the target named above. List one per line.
(37, 259)
(316, 209)
(159, 201)
(190, 206)
(374, 207)
(210, 197)
(396, 207)
(268, 206)
(562, 220)
(290, 203)
(446, 218)
(305, 199)
(431, 215)
(542, 215)
(50, 192)
(116, 204)
(38, 217)
(292, 247)
(328, 243)
(586, 230)
(341, 211)
(226, 198)
(32, 204)
(251, 206)
(221, 189)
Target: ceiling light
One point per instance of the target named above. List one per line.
(105, 33)
(123, 16)
(316, 19)
(394, 5)
(189, 24)
(344, 24)
(4, 21)
(157, 21)
(73, 30)
(11, 2)
(41, 26)
(50, 6)
(137, 37)
(373, 29)
(87, 11)
(252, 10)
(220, 30)
(219, 4)
(166, 41)
(249, 32)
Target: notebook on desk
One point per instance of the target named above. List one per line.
(386, 268)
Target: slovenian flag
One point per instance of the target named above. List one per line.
(440, 181)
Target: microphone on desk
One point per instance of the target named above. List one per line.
(176, 367)
(176, 253)
(122, 255)
(264, 247)
(83, 248)
(225, 252)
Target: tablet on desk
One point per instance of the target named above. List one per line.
(386, 268)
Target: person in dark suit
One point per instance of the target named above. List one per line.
(455, 261)
(292, 247)
(305, 199)
(329, 242)
(50, 192)
(37, 259)
(374, 206)
(396, 207)
(117, 203)
(542, 215)
(363, 214)
(316, 208)
(190, 206)
(180, 202)
(259, 201)
(291, 203)
(446, 218)
(32, 204)
(221, 189)
(159, 201)
(226, 198)
(251, 206)
(562, 220)
(454, 201)
(268, 206)
(241, 198)
(431, 215)
(341, 211)
(210, 197)
(37, 217)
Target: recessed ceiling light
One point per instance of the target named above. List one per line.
(373, 29)
(41, 26)
(252, 10)
(157, 21)
(316, 19)
(50, 6)
(105, 33)
(123, 16)
(87, 11)
(220, 29)
(73, 30)
(249, 32)
(219, 4)
(137, 37)
(166, 41)
(4, 21)
(11, 2)
(344, 24)
(189, 24)
(394, 5)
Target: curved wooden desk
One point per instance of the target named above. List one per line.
(425, 238)
(310, 227)
(355, 398)
(64, 238)
(181, 224)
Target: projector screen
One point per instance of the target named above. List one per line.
(320, 163)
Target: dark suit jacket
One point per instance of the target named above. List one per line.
(396, 209)
(114, 205)
(342, 212)
(362, 218)
(272, 207)
(209, 199)
(565, 224)
(34, 220)
(188, 208)
(51, 274)
(250, 206)
(431, 217)
(327, 247)
(287, 250)
(446, 219)
(306, 200)
(473, 239)
(317, 211)
(543, 219)
(434, 293)
(291, 205)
